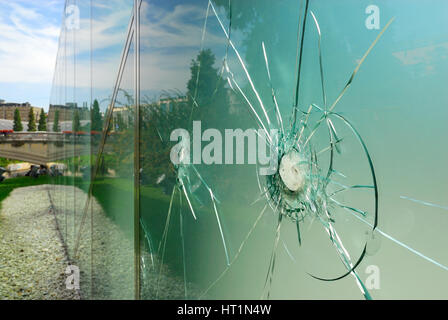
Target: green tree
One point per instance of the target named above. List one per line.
(95, 117)
(204, 82)
(17, 121)
(5, 162)
(31, 121)
(76, 123)
(56, 127)
(206, 94)
(207, 101)
(42, 121)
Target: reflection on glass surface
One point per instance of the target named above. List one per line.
(98, 233)
(306, 137)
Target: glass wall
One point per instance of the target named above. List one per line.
(251, 149)
(93, 189)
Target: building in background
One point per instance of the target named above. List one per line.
(167, 104)
(7, 110)
(66, 111)
(121, 117)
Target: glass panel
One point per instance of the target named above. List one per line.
(113, 202)
(112, 190)
(287, 151)
(69, 118)
(90, 51)
(326, 88)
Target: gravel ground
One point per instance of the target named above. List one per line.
(37, 236)
(32, 257)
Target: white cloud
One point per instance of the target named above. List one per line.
(178, 30)
(425, 54)
(171, 38)
(28, 44)
(180, 27)
(24, 13)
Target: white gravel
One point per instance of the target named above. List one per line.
(32, 257)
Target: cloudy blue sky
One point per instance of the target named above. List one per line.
(29, 32)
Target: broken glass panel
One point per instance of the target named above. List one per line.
(307, 81)
(287, 150)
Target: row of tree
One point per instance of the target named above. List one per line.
(95, 125)
(42, 124)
